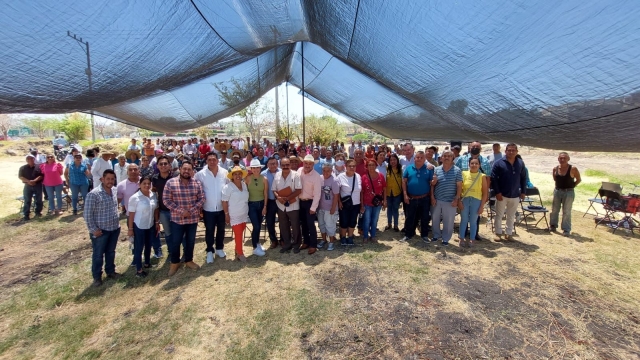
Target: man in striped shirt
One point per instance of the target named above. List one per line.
(184, 197)
(445, 197)
(101, 217)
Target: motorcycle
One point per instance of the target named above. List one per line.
(60, 152)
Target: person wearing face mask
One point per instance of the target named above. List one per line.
(462, 162)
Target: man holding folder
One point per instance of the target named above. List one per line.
(287, 187)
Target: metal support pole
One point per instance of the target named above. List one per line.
(89, 73)
(287, 92)
(304, 127)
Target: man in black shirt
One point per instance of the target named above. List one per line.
(31, 176)
(158, 181)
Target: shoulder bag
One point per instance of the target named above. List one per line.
(377, 199)
(347, 201)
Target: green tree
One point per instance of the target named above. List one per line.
(322, 129)
(40, 125)
(257, 115)
(76, 126)
(364, 137)
(205, 132)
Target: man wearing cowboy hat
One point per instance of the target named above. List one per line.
(213, 178)
(99, 166)
(312, 183)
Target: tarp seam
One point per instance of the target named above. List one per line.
(210, 26)
(353, 31)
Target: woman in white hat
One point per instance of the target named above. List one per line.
(258, 186)
(235, 203)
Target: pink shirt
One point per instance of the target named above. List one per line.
(311, 187)
(52, 174)
(125, 189)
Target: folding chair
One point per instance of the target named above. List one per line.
(491, 208)
(614, 203)
(531, 210)
(598, 199)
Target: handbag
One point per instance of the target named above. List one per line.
(347, 201)
(377, 199)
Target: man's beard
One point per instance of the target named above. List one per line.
(186, 177)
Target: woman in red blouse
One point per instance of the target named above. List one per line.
(373, 199)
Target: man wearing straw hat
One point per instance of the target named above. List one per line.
(99, 166)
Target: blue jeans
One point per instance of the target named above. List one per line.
(370, 221)
(178, 233)
(165, 220)
(255, 214)
(564, 199)
(104, 252)
(28, 194)
(57, 192)
(214, 230)
(393, 209)
(75, 189)
(469, 215)
(142, 241)
(418, 209)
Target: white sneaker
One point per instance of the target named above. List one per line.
(258, 252)
(210, 257)
(261, 247)
(220, 253)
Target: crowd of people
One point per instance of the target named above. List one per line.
(168, 186)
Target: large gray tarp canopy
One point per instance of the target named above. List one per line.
(558, 74)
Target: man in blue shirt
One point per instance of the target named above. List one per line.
(444, 197)
(272, 207)
(509, 183)
(416, 186)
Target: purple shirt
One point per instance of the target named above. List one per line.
(330, 188)
(125, 189)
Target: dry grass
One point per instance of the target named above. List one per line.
(541, 296)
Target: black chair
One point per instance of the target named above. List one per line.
(598, 198)
(615, 203)
(491, 208)
(532, 210)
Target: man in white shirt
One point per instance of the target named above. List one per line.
(408, 158)
(352, 149)
(190, 147)
(287, 187)
(121, 169)
(99, 166)
(213, 178)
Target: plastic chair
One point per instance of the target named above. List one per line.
(531, 210)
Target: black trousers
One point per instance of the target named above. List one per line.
(309, 232)
(272, 210)
(28, 193)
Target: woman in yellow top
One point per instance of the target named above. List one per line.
(474, 195)
(394, 191)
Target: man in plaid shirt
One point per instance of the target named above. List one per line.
(184, 197)
(101, 216)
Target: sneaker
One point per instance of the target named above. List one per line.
(350, 241)
(330, 247)
(220, 253)
(262, 248)
(553, 228)
(321, 244)
(258, 252)
(133, 264)
(141, 274)
(445, 243)
(343, 241)
(434, 240)
(158, 254)
(566, 233)
(425, 239)
(404, 239)
(209, 257)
